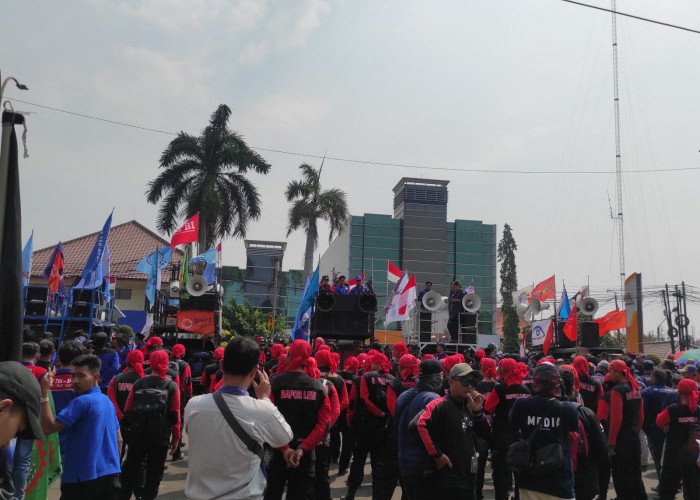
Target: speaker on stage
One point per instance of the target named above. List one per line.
(562, 340)
(590, 334)
(37, 292)
(425, 326)
(35, 308)
(345, 318)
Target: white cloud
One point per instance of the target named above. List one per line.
(246, 14)
(281, 115)
(287, 29)
(173, 14)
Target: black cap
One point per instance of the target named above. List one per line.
(19, 384)
(429, 367)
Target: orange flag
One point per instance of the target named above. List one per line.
(614, 320)
(571, 326)
(548, 338)
(544, 290)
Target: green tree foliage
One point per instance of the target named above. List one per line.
(309, 204)
(206, 175)
(509, 284)
(244, 319)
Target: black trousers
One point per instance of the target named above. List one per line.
(656, 447)
(348, 444)
(483, 458)
(154, 454)
(321, 464)
(672, 474)
(335, 440)
(102, 488)
(502, 476)
(300, 481)
(385, 472)
(627, 467)
(366, 443)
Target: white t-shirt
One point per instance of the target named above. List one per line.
(220, 466)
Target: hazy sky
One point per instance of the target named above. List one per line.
(520, 85)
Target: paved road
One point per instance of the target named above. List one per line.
(173, 485)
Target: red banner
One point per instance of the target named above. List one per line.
(196, 322)
(187, 233)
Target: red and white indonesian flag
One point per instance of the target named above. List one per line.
(404, 300)
(187, 233)
(393, 273)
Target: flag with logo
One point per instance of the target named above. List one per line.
(153, 283)
(523, 295)
(54, 271)
(187, 233)
(209, 257)
(393, 273)
(105, 274)
(390, 299)
(164, 256)
(92, 272)
(544, 290)
(27, 259)
(304, 311)
(403, 302)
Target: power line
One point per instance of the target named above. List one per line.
(639, 18)
(377, 163)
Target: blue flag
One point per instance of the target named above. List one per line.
(27, 259)
(209, 273)
(91, 277)
(164, 255)
(105, 274)
(565, 308)
(209, 257)
(307, 300)
(153, 283)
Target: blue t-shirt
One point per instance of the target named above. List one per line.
(92, 450)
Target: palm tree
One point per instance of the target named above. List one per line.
(309, 205)
(206, 175)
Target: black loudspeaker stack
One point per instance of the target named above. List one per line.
(590, 334)
(563, 341)
(35, 302)
(425, 326)
(344, 320)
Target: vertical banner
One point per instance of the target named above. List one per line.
(633, 306)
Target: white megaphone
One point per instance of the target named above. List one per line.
(535, 306)
(197, 286)
(174, 287)
(433, 301)
(471, 302)
(521, 309)
(588, 306)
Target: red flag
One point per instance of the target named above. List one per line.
(571, 326)
(393, 273)
(353, 282)
(614, 320)
(187, 233)
(548, 338)
(56, 276)
(544, 290)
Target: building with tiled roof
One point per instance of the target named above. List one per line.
(128, 243)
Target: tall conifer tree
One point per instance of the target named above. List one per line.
(509, 284)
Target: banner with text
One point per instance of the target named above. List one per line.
(539, 331)
(196, 322)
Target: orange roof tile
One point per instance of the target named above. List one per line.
(128, 243)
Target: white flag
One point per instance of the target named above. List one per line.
(404, 301)
(523, 295)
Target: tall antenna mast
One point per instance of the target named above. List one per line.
(618, 157)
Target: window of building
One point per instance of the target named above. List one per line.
(122, 293)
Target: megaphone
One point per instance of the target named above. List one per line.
(588, 306)
(521, 309)
(433, 301)
(471, 302)
(174, 287)
(197, 286)
(325, 301)
(220, 290)
(535, 306)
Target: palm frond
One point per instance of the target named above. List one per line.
(170, 177)
(184, 146)
(333, 207)
(297, 189)
(169, 210)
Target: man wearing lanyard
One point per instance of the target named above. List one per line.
(220, 465)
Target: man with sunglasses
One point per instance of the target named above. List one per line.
(448, 429)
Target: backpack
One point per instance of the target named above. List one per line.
(174, 366)
(148, 417)
(688, 454)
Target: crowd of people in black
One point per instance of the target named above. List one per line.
(271, 418)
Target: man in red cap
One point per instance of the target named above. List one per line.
(372, 425)
(185, 385)
(211, 369)
(625, 421)
(153, 408)
(304, 404)
(678, 421)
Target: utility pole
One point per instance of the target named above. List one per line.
(618, 158)
(667, 313)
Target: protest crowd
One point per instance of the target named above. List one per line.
(267, 420)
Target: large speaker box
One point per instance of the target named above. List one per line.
(345, 319)
(425, 326)
(562, 340)
(590, 334)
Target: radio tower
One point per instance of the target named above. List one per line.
(618, 158)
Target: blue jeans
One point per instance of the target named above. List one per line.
(23, 455)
